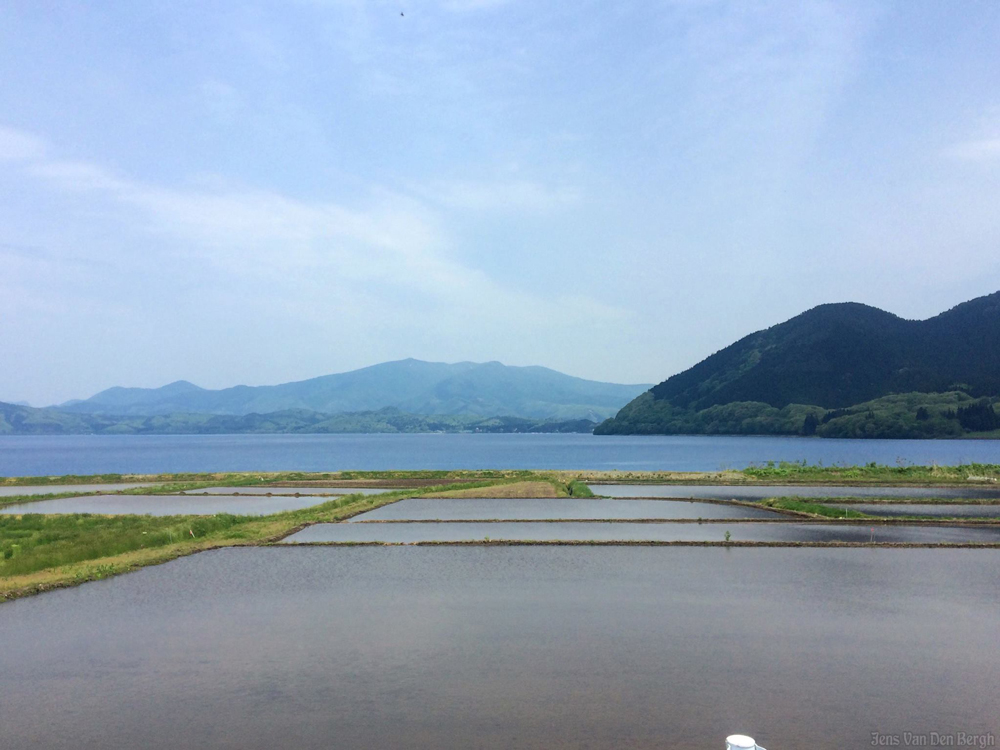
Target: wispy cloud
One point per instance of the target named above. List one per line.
(16, 145)
(386, 249)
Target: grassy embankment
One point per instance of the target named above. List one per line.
(40, 552)
(791, 473)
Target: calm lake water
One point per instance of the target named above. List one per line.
(91, 454)
(509, 647)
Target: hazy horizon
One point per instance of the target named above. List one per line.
(235, 385)
(264, 192)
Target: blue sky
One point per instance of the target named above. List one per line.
(257, 192)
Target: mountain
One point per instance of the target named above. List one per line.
(412, 386)
(21, 420)
(831, 358)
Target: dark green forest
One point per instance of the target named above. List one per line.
(909, 415)
(844, 370)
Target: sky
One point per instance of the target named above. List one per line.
(259, 192)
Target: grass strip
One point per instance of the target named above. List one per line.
(800, 473)
(810, 508)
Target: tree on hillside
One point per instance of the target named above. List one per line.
(810, 424)
(979, 417)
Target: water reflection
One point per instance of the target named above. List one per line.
(760, 492)
(265, 490)
(167, 505)
(524, 647)
(945, 510)
(408, 533)
(478, 509)
(54, 489)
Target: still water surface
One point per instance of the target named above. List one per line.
(761, 492)
(257, 490)
(408, 533)
(50, 489)
(90, 454)
(480, 509)
(946, 510)
(509, 647)
(167, 505)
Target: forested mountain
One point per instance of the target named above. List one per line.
(826, 363)
(428, 388)
(24, 420)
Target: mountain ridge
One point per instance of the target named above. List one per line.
(831, 357)
(413, 386)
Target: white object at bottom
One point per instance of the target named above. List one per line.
(741, 742)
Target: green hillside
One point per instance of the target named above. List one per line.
(845, 370)
(23, 420)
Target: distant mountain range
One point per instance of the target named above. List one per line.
(838, 370)
(426, 388)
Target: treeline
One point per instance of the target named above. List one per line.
(911, 415)
(21, 420)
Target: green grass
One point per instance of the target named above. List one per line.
(820, 509)
(579, 489)
(34, 542)
(801, 505)
(984, 474)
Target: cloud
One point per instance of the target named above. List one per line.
(78, 176)
(16, 145)
(390, 252)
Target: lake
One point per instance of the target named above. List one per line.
(149, 454)
(528, 647)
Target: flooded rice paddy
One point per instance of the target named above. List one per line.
(761, 492)
(52, 489)
(566, 508)
(167, 505)
(625, 531)
(943, 510)
(258, 490)
(528, 647)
